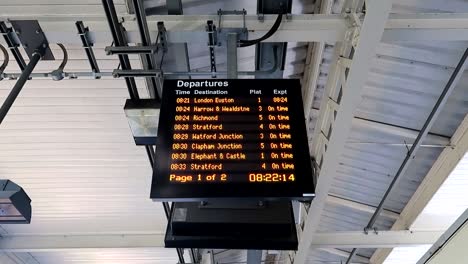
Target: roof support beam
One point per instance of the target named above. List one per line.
(436, 176)
(383, 239)
(369, 37)
(54, 243)
(360, 207)
(305, 28)
(400, 131)
(96, 242)
(345, 254)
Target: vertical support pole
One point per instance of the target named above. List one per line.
(212, 42)
(179, 51)
(19, 85)
(254, 256)
(148, 61)
(119, 40)
(232, 56)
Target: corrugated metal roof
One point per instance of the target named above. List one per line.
(399, 92)
(121, 256)
(403, 85)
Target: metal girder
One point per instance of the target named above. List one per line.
(382, 239)
(345, 254)
(359, 206)
(96, 242)
(399, 131)
(370, 35)
(48, 243)
(436, 176)
(305, 28)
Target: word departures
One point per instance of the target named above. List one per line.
(232, 139)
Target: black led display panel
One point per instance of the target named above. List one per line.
(242, 138)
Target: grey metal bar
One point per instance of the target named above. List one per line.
(232, 56)
(71, 75)
(150, 49)
(119, 40)
(147, 60)
(88, 46)
(12, 45)
(154, 89)
(19, 85)
(212, 42)
(449, 87)
(145, 73)
(254, 256)
(126, 73)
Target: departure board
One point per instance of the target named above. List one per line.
(242, 138)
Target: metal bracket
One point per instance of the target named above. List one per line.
(32, 38)
(222, 33)
(212, 33)
(373, 229)
(242, 12)
(83, 32)
(355, 29)
(212, 43)
(162, 38)
(13, 36)
(12, 43)
(58, 74)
